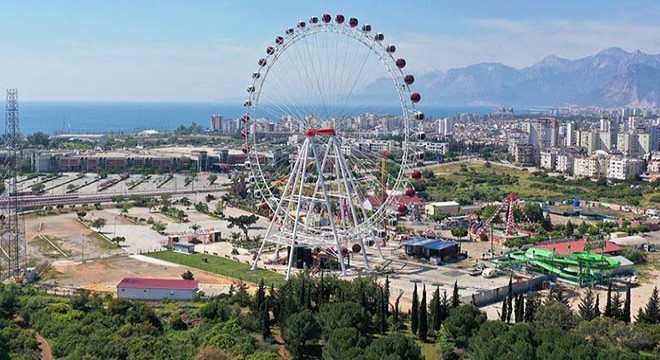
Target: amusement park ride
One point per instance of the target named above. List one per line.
(315, 80)
(511, 229)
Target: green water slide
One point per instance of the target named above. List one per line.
(578, 266)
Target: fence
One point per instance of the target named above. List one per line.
(494, 295)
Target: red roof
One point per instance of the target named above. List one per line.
(374, 200)
(562, 247)
(177, 284)
(407, 200)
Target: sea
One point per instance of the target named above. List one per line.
(125, 117)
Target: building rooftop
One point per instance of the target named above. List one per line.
(174, 284)
(569, 247)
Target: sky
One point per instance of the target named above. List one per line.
(205, 51)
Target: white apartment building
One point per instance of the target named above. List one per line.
(621, 167)
(548, 160)
(570, 134)
(445, 127)
(591, 167)
(436, 147)
(514, 139)
(565, 163)
(634, 144)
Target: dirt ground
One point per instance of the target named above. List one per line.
(68, 234)
(104, 275)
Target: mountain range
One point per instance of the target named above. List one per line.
(610, 78)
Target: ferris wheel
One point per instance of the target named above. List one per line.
(331, 135)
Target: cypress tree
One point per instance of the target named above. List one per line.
(308, 297)
(509, 303)
(321, 292)
(455, 301)
(651, 312)
(423, 317)
(608, 305)
(381, 313)
(519, 312)
(303, 290)
(444, 307)
(434, 309)
(387, 295)
(531, 306)
(597, 307)
(395, 315)
(586, 306)
(265, 321)
(625, 312)
(569, 229)
(505, 308)
(617, 306)
(259, 297)
(414, 315)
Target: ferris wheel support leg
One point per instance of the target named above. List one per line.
(290, 262)
(304, 153)
(275, 218)
(329, 208)
(349, 186)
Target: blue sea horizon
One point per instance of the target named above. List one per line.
(106, 117)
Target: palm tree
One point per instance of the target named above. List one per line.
(194, 228)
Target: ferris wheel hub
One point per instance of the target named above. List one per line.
(320, 132)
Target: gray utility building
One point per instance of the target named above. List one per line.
(157, 289)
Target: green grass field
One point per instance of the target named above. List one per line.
(531, 187)
(222, 266)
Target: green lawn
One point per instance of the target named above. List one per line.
(222, 266)
(492, 182)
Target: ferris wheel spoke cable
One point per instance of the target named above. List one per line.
(283, 97)
(316, 75)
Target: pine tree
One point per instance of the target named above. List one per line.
(597, 307)
(625, 312)
(414, 315)
(455, 301)
(608, 305)
(423, 317)
(617, 306)
(509, 303)
(586, 306)
(434, 309)
(651, 312)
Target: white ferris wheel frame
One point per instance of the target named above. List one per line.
(368, 39)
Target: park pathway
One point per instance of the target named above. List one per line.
(46, 353)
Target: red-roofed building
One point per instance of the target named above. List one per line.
(372, 203)
(407, 200)
(157, 289)
(569, 247)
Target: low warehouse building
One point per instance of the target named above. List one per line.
(157, 289)
(634, 241)
(443, 207)
(432, 248)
